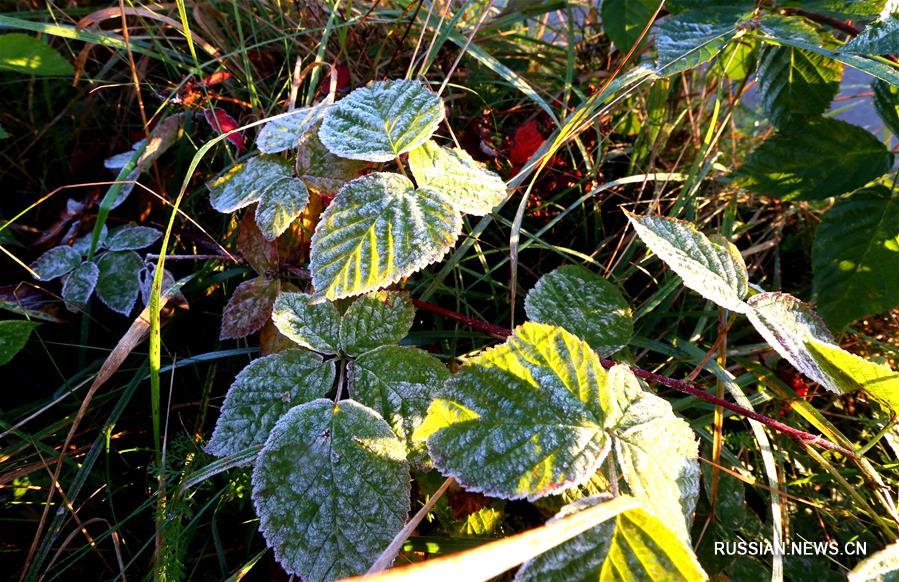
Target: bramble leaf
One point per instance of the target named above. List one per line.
(585, 304)
(879, 38)
(258, 251)
(280, 204)
(119, 282)
(285, 132)
(262, 392)
(14, 334)
(795, 84)
(841, 8)
(312, 325)
(786, 323)
(814, 160)
(468, 184)
(713, 267)
(690, 39)
(331, 488)
(129, 238)
(855, 257)
(83, 243)
(79, 285)
(56, 262)
(631, 546)
(22, 53)
(373, 320)
(249, 307)
(244, 183)
(379, 122)
(398, 382)
(886, 102)
(851, 373)
(624, 20)
(320, 169)
(522, 419)
(379, 229)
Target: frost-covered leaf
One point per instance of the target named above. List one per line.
(285, 132)
(851, 373)
(375, 319)
(624, 20)
(331, 489)
(656, 451)
(585, 304)
(522, 419)
(56, 262)
(258, 251)
(14, 334)
(320, 169)
(880, 566)
(244, 183)
(119, 283)
(632, 546)
(795, 84)
(168, 282)
(686, 40)
(280, 204)
(249, 307)
(79, 285)
(886, 102)
(129, 238)
(382, 120)
(879, 38)
(855, 257)
(469, 185)
(312, 325)
(787, 323)
(262, 392)
(82, 244)
(814, 160)
(398, 382)
(711, 266)
(378, 230)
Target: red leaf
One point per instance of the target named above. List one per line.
(260, 253)
(220, 121)
(249, 308)
(525, 142)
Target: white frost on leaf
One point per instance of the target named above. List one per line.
(331, 489)
(280, 204)
(315, 326)
(379, 229)
(379, 122)
(469, 185)
(79, 285)
(244, 183)
(285, 132)
(83, 243)
(56, 262)
(119, 282)
(128, 238)
(320, 169)
(375, 319)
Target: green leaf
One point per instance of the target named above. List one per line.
(244, 183)
(585, 304)
(631, 546)
(119, 282)
(786, 323)
(471, 187)
(331, 488)
(821, 158)
(398, 382)
(738, 59)
(795, 84)
(320, 169)
(687, 40)
(56, 262)
(21, 53)
(263, 392)
(250, 307)
(886, 102)
(378, 230)
(879, 38)
(279, 205)
(83, 243)
(285, 132)
(522, 419)
(374, 320)
(379, 122)
(128, 238)
(842, 8)
(656, 451)
(14, 334)
(853, 373)
(855, 257)
(624, 20)
(711, 266)
(3, 133)
(79, 285)
(879, 566)
(312, 325)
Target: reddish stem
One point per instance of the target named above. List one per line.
(805, 438)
